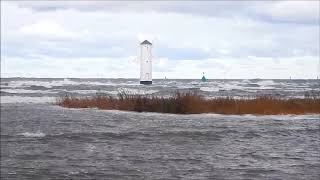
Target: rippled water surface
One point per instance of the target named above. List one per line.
(40, 140)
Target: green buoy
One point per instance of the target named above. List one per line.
(203, 79)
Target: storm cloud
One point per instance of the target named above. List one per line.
(226, 35)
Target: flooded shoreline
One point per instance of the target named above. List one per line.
(43, 141)
(40, 140)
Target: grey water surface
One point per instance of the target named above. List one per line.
(40, 140)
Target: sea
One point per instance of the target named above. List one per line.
(40, 140)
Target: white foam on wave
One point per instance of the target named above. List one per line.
(50, 84)
(241, 85)
(82, 91)
(30, 134)
(92, 91)
(266, 83)
(47, 84)
(27, 91)
(196, 82)
(279, 117)
(230, 86)
(91, 147)
(136, 91)
(209, 89)
(114, 92)
(185, 86)
(21, 99)
(246, 81)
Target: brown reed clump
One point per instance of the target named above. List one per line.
(192, 103)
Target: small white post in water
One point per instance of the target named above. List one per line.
(145, 62)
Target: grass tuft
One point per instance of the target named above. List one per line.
(192, 103)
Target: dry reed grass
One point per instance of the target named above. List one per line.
(192, 103)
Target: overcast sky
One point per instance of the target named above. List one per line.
(230, 39)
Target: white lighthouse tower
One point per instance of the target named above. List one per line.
(145, 62)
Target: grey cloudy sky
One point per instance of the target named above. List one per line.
(225, 39)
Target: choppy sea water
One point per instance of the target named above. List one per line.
(47, 90)
(40, 140)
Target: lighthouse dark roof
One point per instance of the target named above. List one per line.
(146, 42)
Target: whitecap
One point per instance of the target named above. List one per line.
(185, 86)
(30, 134)
(137, 91)
(230, 86)
(246, 81)
(21, 99)
(91, 147)
(26, 91)
(64, 82)
(82, 91)
(89, 91)
(209, 89)
(266, 83)
(47, 84)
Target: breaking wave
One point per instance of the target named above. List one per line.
(38, 90)
(137, 91)
(209, 89)
(50, 84)
(22, 99)
(36, 134)
(26, 91)
(266, 83)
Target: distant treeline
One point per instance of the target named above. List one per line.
(192, 103)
